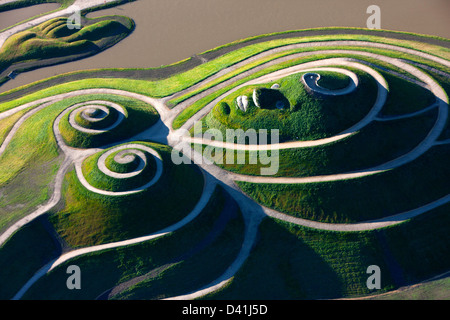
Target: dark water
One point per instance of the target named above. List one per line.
(8, 18)
(171, 30)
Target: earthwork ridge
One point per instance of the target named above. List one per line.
(114, 143)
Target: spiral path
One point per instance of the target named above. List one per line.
(134, 149)
(94, 112)
(311, 80)
(128, 151)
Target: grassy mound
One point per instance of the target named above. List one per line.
(112, 165)
(179, 262)
(335, 82)
(291, 109)
(388, 140)
(54, 41)
(304, 263)
(407, 187)
(32, 158)
(87, 218)
(139, 116)
(100, 180)
(103, 120)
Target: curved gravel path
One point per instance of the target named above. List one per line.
(311, 81)
(102, 167)
(252, 212)
(306, 67)
(208, 190)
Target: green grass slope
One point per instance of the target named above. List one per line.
(179, 262)
(16, 253)
(304, 116)
(52, 42)
(388, 140)
(87, 218)
(372, 197)
(304, 263)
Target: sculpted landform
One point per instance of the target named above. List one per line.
(279, 169)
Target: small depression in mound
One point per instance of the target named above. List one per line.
(299, 113)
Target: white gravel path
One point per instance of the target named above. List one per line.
(131, 146)
(311, 81)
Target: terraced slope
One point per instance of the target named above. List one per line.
(367, 171)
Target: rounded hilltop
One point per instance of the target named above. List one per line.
(288, 104)
(362, 173)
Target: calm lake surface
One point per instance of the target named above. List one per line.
(9, 18)
(171, 30)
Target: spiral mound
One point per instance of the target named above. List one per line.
(122, 170)
(352, 125)
(95, 117)
(93, 123)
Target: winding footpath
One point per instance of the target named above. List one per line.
(252, 212)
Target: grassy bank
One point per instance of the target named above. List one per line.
(54, 40)
(159, 267)
(305, 263)
(36, 233)
(375, 196)
(32, 160)
(87, 218)
(303, 117)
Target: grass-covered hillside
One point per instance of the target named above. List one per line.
(57, 40)
(158, 268)
(87, 218)
(138, 116)
(372, 197)
(304, 263)
(88, 178)
(290, 108)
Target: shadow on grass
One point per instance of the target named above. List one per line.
(205, 255)
(18, 263)
(282, 267)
